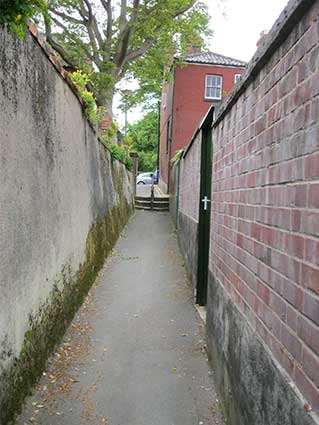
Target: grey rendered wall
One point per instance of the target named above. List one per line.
(62, 205)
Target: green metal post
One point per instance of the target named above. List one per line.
(178, 189)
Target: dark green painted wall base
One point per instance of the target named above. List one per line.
(47, 328)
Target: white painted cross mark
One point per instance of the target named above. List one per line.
(205, 200)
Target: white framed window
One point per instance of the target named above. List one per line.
(213, 87)
(237, 77)
(164, 100)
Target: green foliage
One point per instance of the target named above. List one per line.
(156, 65)
(121, 154)
(16, 13)
(81, 80)
(131, 39)
(144, 140)
(111, 132)
(178, 155)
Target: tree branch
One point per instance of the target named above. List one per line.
(127, 29)
(91, 20)
(185, 9)
(134, 54)
(88, 5)
(56, 46)
(136, 5)
(175, 14)
(123, 20)
(108, 8)
(67, 17)
(89, 24)
(97, 32)
(71, 37)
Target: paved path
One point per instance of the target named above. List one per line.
(134, 354)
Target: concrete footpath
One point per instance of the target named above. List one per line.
(135, 352)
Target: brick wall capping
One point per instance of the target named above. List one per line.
(205, 124)
(53, 58)
(291, 14)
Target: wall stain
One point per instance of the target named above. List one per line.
(48, 326)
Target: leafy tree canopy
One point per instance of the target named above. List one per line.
(143, 136)
(114, 39)
(16, 13)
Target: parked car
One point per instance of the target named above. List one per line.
(155, 177)
(144, 178)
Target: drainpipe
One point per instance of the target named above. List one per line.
(158, 134)
(171, 135)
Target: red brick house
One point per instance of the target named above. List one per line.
(202, 80)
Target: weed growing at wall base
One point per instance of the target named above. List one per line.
(47, 327)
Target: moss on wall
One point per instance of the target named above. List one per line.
(47, 328)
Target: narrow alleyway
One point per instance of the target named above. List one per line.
(135, 352)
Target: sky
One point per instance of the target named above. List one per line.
(236, 26)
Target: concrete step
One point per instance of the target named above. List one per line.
(150, 209)
(140, 207)
(143, 204)
(157, 205)
(148, 201)
(148, 198)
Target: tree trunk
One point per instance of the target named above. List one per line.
(108, 116)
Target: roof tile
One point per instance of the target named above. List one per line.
(214, 59)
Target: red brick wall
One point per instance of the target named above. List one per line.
(265, 205)
(186, 106)
(190, 105)
(165, 116)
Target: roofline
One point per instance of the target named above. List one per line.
(214, 64)
(184, 60)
